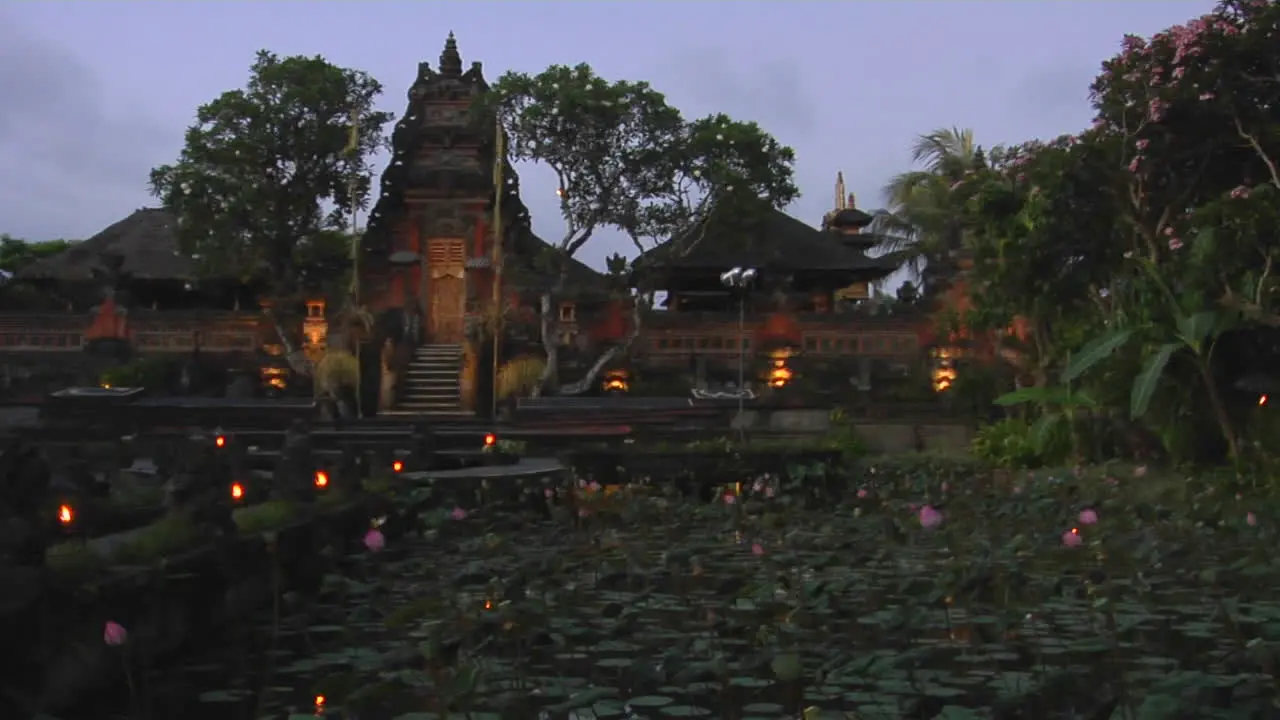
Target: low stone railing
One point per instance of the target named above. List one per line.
(150, 331)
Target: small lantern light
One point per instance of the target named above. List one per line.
(66, 515)
(490, 439)
(322, 479)
(237, 492)
(397, 466)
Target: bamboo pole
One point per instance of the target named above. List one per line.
(353, 152)
(499, 162)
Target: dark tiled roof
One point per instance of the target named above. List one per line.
(144, 242)
(775, 241)
(850, 217)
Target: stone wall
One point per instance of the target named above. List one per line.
(881, 436)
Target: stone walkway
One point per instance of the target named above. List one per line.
(526, 467)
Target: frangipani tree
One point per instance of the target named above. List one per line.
(267, 173)
(624, 158)
(1157, 229)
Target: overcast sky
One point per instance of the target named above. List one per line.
(94, 94)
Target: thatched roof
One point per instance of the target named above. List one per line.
(144, 243)
(774, 240)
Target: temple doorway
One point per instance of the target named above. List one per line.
(446, 306)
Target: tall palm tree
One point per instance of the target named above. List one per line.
(922, 222)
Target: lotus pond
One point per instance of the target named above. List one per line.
(909, 591)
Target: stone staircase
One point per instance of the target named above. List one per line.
(431, 385)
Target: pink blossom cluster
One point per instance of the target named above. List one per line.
(1176, 60)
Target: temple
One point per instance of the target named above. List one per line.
(449, 260)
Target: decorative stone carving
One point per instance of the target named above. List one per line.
(447, 115)
(448, 159)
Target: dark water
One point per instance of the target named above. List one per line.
(683, 612)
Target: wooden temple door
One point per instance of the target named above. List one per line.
(446, 267)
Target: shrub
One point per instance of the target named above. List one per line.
(519, 376)
(336, 370)
(153, 372)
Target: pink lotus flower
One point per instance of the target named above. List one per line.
(374, 540)
(593, 486)
(768, 492)
(1175, 244)
(862, 492)
(757, 549)
(1250, 519)
(1071, 538)
(114, 634)
(729, 499)
(930, 517)
(458, 514)
(1140, 471)
(1088, 517)
(548, 493)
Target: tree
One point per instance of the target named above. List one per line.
(1197, 107)
(1159, 225)
(626, 159)
(16, 254)
(923, 219)
(267, 170)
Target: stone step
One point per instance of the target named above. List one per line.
(432, 370)
(410, 412)
(437, 390)
(423, 376)
(425, 409)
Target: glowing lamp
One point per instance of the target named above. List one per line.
(397, 466)
(320, 703)
(616, 381)
(237, 492)
(65, 514)
(220, 441)
(322, 479)
(779, 374)
(490, 439)
(1262, 400)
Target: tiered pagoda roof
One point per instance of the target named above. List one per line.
(776, 242)
(450, 84)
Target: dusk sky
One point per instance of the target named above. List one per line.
(94, 94)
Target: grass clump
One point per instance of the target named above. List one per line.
(170, 535)
(73, 558)
(270, 515)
